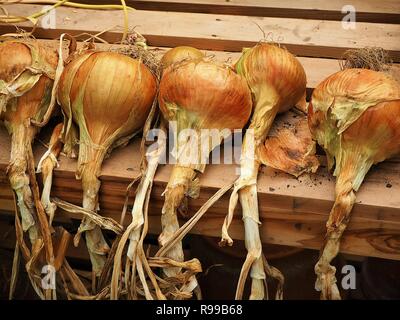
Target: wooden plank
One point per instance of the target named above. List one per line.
(293, 211)
(385, 11)
(314, 38)
(358, 239)
(124, 166)
(361, 238)
(112, 196)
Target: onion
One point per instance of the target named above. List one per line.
(27, 73)
(354, 115)
(108, 95)
(196, 95)
(179, 54)
(277, 81)
(137, 261)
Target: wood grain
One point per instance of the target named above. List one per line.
(385, 11)
(313, 38)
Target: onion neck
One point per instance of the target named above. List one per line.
(89, 168)
(265, 110)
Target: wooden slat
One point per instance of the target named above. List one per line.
(359, 239)
(293, 211)
(315, 38)
(362, 237)
(385, 11)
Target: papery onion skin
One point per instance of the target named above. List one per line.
(27, 72)
(117, 74)
(22, 65)
(290, 149)
(109, 96)
(355, 116)
(15, 57)
(180, 54)
(197, 95)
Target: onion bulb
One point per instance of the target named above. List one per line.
(135, 253)
(27, 73)
(277, 81)
(179, 54)
(354, 115)
(196, 95)
(108, 96)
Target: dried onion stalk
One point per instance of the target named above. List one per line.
(46, 166)
(135, 254)
(354, 115)
(277, 81)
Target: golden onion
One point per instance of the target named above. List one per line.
(277, 81)
(354, 115)
(196, 95)
(27, 71)
(109, 96)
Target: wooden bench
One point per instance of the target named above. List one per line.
(293, 211)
